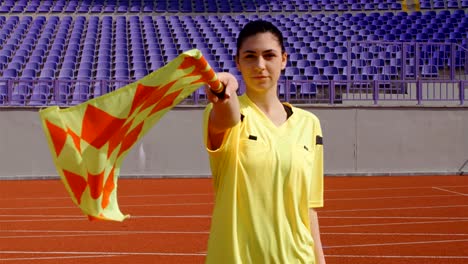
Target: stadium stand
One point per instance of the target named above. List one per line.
(67, 51)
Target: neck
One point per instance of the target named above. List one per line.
(269, 103)
(266, 100)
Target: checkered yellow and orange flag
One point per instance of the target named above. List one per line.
(89, 141)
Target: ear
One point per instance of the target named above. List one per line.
(236, 58)
(284, 60)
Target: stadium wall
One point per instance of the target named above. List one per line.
(361, 140)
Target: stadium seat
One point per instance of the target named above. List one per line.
(10, 73)
(18, 99)
(438, 5)
(42, 88)
(68, 46)
(429, 71)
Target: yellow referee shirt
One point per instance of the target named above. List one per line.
(265, 179)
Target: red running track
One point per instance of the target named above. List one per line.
(366, 220)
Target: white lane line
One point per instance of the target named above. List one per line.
(389, 224)
(49, 258)
(394, 208)
(397, 257)
(207, 232)
(167, 195)
(84, 218)
(330, 199)
(399, 243)
(211, 194)
(120, 196)
(55, 236)
(209, 216)
(101, 233)
(107, 231)
(44, 220)
(171, 216)
(391, 234)
(445, 190)
(37, 207)
(102, 253)
(392, 188)
(191, 204)
(122, 206)
(390, 197)
(393, 217)
(81, 216)
(41, 216)
(112, 254)
(89, 234)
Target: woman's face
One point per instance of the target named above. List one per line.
(260, 61)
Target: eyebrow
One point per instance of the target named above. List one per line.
(265, 51)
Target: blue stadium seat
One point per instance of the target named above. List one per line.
(66, 43)
(429, 71)
(4, 88)
(18, 99)
(38, 100)
(47, 74)
(291, 71)
(330, 71)
(438, 5)
(41, 88)
(308, 89)
(370, 71)
(9, 74)
(29, 74)
(390, 71)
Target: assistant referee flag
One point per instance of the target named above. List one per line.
(89, 141)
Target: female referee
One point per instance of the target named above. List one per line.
(266, 159)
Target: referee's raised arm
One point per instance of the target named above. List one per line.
(225, 112)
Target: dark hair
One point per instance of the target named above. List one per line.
(259, 26)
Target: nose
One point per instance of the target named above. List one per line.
(260, 65)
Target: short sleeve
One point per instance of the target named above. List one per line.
(224, 156)
(206, 116)
(316, 182)
(206, 141)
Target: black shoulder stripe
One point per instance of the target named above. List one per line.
(242, 117)
(251, 137)
(318, 140)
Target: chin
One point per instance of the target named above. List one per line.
(262, 88)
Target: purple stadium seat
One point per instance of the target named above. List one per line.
(3, 88)
(429, 71)
(78, 98)
(101, 88)
(330, 71)
(18, 99)
(9, 74)
(67, 43)
(28, 74)
(438, 5)
(38, 100)
(303, 64)
(369, 7)
(41, 88)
